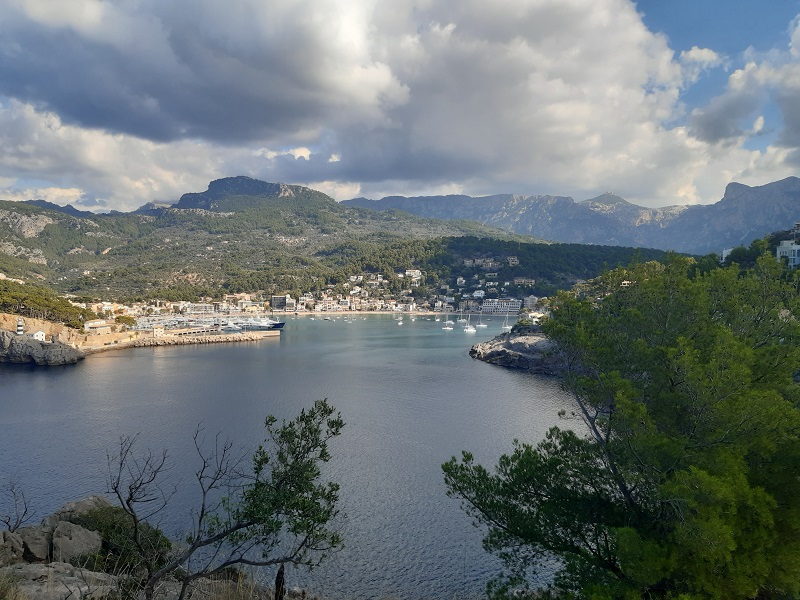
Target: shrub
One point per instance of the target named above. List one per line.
(118, 555)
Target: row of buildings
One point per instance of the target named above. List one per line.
(364, 292)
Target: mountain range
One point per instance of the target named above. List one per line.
(245, 234)
(240, 234)
(743, 214)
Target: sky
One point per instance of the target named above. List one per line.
(109, 104)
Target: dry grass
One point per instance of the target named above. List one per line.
(242, 588)
(9, 589)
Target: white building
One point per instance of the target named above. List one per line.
(789, 250)
(501, 305)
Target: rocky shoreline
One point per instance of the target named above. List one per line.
(532, 352)
(24, 349)
(21, 349)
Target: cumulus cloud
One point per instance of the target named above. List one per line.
(93, 167)
(698, 60)
(141, 100)
(773, 78)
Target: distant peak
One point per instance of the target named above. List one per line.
(735, 189)
(608, 198)
(67, 209)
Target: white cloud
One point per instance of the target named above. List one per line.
(772, 78)
(336, 189)
(301, 152)
(62, 196)
(110, 171)
(698, 60)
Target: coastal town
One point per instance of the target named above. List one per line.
(253, 316)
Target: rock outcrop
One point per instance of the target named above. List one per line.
(37, 556)
(531, 352)
(60, 581)
(56, 538)
(11, 548)
(72, 541)
(32, 556)
(24, 349)
(36, 543)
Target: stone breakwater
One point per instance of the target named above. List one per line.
(171, 340)
(24, 349)
(531, 352)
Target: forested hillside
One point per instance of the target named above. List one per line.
(677, 477)
(246, 235)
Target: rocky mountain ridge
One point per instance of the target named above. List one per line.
(240, 229)
(743, 214)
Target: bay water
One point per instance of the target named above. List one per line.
(410, 396)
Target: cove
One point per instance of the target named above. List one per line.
(410, 395)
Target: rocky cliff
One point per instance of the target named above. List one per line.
(24, 349)
(531, 352)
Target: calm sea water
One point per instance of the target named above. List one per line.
(410, 396)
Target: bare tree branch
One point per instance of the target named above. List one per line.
(19, 511)
(270, 511)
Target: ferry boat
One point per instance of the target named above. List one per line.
(261, 324)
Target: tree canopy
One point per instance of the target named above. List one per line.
(40, 303)
(682, 481)
(275, 511)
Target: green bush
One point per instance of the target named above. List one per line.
(118, 554)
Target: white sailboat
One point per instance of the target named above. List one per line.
(506, 326)
(448, 325)
(469, 328)
(480, 322)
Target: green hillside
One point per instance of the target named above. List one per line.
(290, 238)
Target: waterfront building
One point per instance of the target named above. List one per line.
(501, 305)
(285, 303)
